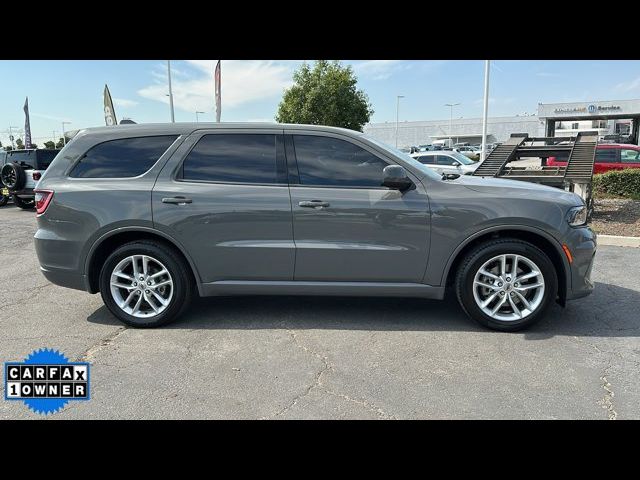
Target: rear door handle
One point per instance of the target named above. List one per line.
(177, 200)
(313, 204)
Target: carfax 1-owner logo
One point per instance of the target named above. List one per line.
(46, 380)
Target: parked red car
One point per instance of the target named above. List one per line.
(610, 156)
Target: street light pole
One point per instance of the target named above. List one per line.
(202, 113)
(450, 105)
(398, 97)
(173, 118)
(483, 153)
(64, 138)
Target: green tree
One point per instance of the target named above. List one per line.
(19, 144)
(60, 143)
(50, 144)
(325, 94)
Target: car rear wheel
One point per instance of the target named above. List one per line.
(24, 203)
(506, 284)
(145, 284)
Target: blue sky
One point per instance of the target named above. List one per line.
(251, 90)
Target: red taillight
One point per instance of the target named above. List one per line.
(43, 199)
(36, 176)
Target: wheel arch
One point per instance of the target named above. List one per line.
(108, 242)
(535, 236)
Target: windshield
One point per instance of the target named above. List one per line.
(412, 161)
(461, 158)
(36, 159)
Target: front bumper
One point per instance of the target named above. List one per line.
(582, 243)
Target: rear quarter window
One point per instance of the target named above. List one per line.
(122, 158)
(606, 155)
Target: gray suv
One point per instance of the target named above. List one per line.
(148, 215)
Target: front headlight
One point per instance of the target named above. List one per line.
(577, 216)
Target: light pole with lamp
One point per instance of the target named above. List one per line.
(398, 97)
(173, 118)
(197, 112)
(450, 105)
(64, 138)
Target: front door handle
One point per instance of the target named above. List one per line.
(313, 204)
(177, 200)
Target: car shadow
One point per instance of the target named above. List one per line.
(610, 311)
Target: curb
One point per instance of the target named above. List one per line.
(618, 241)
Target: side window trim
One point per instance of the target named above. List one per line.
(196, 136)
(294, 174)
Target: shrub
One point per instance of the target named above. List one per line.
(624, 183)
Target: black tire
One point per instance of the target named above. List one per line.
(478, 256)
(13, 177)
(183, 286)
(3, 200)
(24, 203)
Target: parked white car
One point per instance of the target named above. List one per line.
(447, 161)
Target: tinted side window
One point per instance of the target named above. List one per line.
(232, 158)
(334, 162)
(44, 158)
(444, 160)
(606, 155)
(630, 156)
(427, 159)
(122, 158)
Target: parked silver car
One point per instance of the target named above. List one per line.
(149, 215)
(447, 161)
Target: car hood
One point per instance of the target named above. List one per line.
(499, 186)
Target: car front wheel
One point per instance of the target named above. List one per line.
(506, 284)
(145, 284)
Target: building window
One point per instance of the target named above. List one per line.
(575, 126)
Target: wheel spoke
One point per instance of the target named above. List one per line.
(162, 301)
(499, 305)
(489, 274)
(134, 261)
(145, 265)
(136, 308)
(124, 275)
(514, 268)
(148, 300)
(528, 286)
(486, 303)
(503, 265)
(486, 285)
(515, 308)
(157, 274)
(122, 285)
(527, 276)
(524, 301)
(125, 303)
(162, 284)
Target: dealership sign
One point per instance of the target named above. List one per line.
(589, 109)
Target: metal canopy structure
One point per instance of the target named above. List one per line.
(576, 176)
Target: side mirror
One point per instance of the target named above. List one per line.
(395, 176)
(456, 163)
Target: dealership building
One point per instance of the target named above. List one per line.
(616, 117)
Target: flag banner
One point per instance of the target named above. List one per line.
(218, 91)
(27, 125)
(109, 112)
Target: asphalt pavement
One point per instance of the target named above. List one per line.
(329, 358)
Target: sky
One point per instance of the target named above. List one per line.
(71, 90)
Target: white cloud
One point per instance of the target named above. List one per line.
(243, 81)
(629, 86)
(124, 103)
(379, 69)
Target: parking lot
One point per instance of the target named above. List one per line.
(326, 358)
